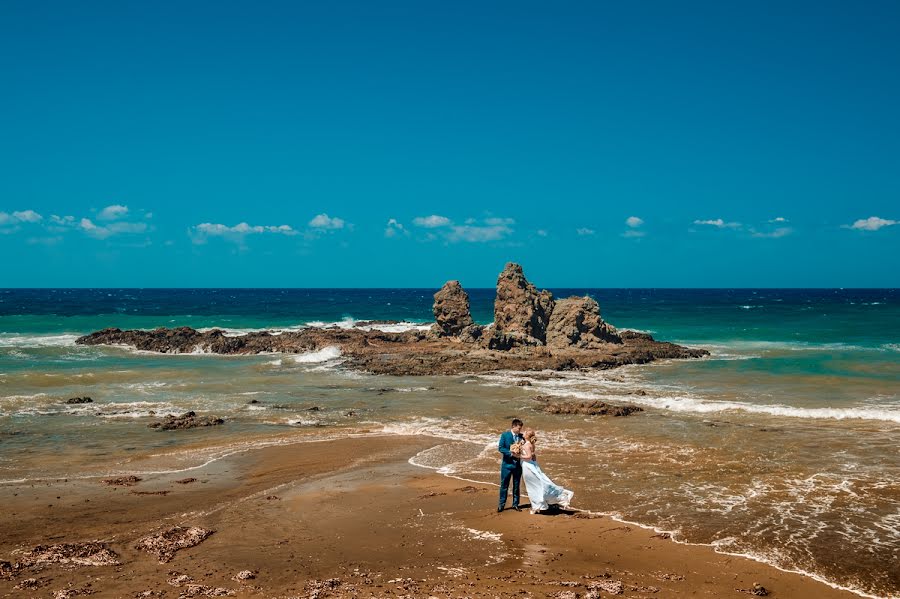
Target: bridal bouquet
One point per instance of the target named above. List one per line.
(516, 448)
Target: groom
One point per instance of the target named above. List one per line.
(510, 466)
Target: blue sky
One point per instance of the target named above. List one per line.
(651, 144)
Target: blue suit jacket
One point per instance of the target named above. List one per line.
(507, 439)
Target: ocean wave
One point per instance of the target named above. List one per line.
(352, 323)
(22, 340)
(682, 403)
(326, 354)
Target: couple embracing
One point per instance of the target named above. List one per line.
(519, 459)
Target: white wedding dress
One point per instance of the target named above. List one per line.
(543, 492)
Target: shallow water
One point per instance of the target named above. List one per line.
(782, 445)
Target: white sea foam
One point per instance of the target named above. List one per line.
(326, 354)
(18, 340)
(351, 323)
(684, 403)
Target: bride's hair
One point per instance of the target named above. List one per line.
(528, 433)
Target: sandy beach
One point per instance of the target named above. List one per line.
(349, 518)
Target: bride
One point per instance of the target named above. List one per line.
(542, 492)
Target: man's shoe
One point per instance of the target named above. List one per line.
(499, 509)
(515, 507)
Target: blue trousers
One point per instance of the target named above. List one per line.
(510, 470)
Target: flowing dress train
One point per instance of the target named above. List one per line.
(543, 492)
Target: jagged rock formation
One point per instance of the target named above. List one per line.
(521, 312)
(451, 310)
(576, 322)
(531, 332)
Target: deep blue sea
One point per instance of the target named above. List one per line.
(784, 445)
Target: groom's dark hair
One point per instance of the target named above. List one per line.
(517, 422)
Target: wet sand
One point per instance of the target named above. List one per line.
(352, 518)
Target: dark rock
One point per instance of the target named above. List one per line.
(451, 310)
(523, 383)
(79, 400)
(471, 333)
(519, 308)
(186, 481)
(122, 481)
(253, 401)
(576, 322)
(185, 421)
(7, 570)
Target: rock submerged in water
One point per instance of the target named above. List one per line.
(585, 408)
(122, 481)
(79, 400)
(185, 421)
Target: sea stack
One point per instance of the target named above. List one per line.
(451, 310)
(521, 312)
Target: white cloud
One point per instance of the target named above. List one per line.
(634, 221)
(63, 221)
(541, 233)
(20, 216)
(494, 221)
(28, 216)
(433, 221)
(873, 223)
(721, 224)
(631, 233)
(779, 232)
(113, 212)
(201, 232)
(779, 219)
(394, 228)
(325, 222)
(478, 234)
(585, 231)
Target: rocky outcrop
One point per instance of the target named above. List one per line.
(521, 312)
(165, 544)
(451, 310)
(530, 332)
(186, 420)
(585, 408)
(576, 322)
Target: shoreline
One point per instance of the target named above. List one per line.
(241, 479)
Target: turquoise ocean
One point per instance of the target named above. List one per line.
(783, 445)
